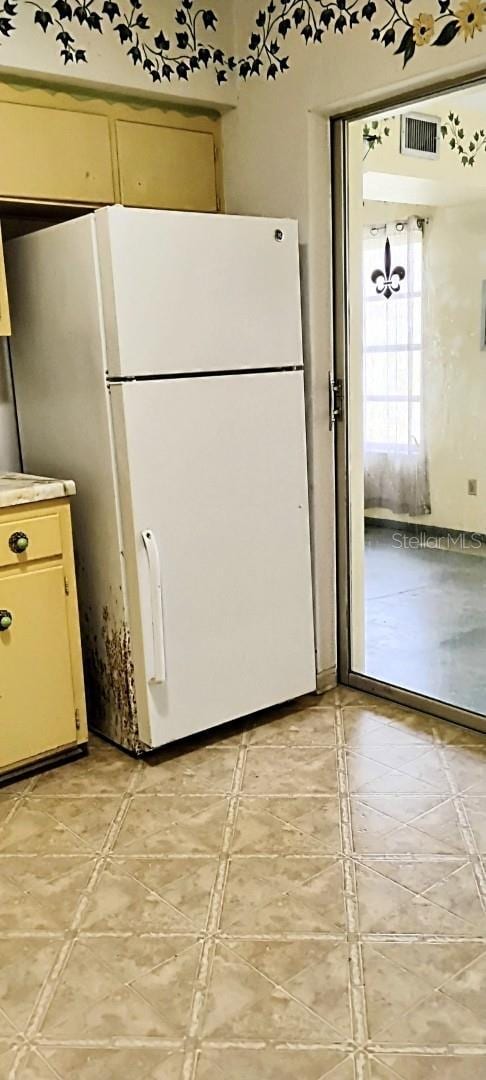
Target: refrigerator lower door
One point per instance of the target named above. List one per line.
(213, 487)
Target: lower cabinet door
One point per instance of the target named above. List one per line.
(37, 710)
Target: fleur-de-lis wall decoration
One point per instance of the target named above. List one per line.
(389, 281)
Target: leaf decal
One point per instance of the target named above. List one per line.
(43, 18)
(448, 33)
(406, 46)
(111, 9)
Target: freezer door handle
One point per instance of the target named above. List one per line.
(158, 673)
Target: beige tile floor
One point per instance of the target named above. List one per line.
(295, 899)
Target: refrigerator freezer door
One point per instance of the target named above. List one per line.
(198, 292)
(214, 470)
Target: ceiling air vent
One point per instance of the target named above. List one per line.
(420, 135)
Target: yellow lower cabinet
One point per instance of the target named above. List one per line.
(41, 698)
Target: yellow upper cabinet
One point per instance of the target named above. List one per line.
(55, 154)
(91, 151)
(4, 309)
(166, 167)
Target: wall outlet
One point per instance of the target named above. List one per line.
(472, 487)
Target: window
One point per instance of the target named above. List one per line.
(392, 341)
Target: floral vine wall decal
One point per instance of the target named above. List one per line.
(161, 56)
(453, 131)
(187, 48)
(373, 134)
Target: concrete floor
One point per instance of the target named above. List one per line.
(426, 619)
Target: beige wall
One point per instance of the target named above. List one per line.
(30, 51)
(277, 161)
(454, 367)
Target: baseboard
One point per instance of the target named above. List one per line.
(459, 539)
(326, 680)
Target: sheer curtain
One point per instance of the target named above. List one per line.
(396, 474)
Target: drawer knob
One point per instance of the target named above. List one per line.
(6, 619)
(18, 542)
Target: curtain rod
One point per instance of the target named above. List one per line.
(402, 222)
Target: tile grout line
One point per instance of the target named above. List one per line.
(156, 1042)
(239, 856)
(203, 976)
(358, 794)
(49, 986)
(351, 907)
(451, 1049)
(117, 1042)
(410, 856)
(18, 801)
(370, 937)
(358, 856)
(465, 829)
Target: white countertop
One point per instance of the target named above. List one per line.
(19, 488)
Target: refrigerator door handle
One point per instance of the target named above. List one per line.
(158, 674)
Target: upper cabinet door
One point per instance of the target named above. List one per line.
(55, 154)
(166, 168)
(4, 308)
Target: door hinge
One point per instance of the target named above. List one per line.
(336, 400)
(66, 586)
(77, 719)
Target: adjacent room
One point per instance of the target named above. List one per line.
(418, 281)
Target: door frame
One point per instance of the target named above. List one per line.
(340, 371)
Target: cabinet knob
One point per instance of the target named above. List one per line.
(6, 619)
(18, 542)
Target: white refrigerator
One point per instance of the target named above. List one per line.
(157, 361)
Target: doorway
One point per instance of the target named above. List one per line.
(410, 275)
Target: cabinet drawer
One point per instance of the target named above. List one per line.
(55, 154)
(166, 168)
(37, 707)
(44, 538)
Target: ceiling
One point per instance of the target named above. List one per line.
(422, 191)
(473, 97)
